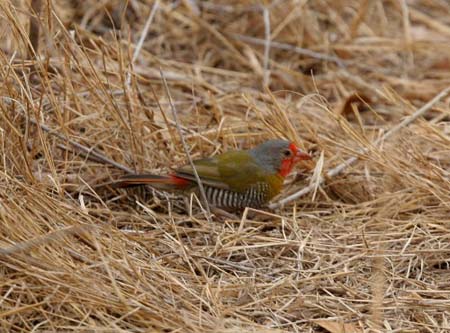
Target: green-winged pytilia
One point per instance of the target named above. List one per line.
(234, 179)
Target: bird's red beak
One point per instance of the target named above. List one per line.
(301, 156)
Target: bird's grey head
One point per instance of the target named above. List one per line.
(271, 154)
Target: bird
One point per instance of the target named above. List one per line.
(231, 180)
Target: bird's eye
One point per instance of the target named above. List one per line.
(287, 153)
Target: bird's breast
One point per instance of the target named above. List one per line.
(254, 196)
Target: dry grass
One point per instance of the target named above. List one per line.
(368, 251)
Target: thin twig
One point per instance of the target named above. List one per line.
(266, 76)
(185, 147)
(296, 49)
(337, 170)
(144, 33)
(88, 151)
(51, 236)
(145, 30)
(34, 28)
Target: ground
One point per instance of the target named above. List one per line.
(83, 102)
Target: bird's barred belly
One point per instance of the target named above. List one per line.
(255, 196)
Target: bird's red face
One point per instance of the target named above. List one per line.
(290, 156)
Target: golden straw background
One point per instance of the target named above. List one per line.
(82, 101)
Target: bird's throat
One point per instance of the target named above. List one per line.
(286, 167)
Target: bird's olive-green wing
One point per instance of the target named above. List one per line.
(207, 169)
(236, 170)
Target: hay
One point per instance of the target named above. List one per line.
(366, 250)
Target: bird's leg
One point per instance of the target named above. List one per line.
(187, 204)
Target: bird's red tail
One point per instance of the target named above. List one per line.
(160, 182)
